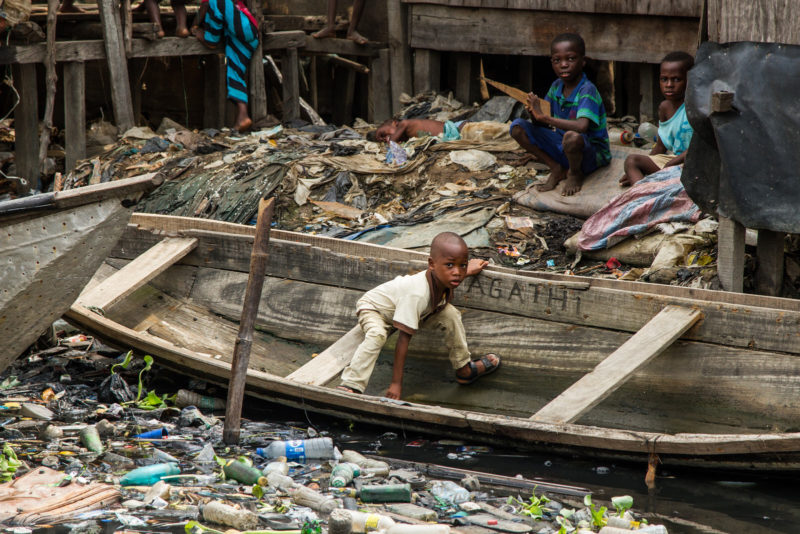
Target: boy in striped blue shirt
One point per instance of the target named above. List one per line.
(573, 142)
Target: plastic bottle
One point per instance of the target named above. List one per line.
(149, 474)
(648, 131)
(619, 522)
(246, 474)
(91, 439)
(223, 514)
(280, 481)
(299, 450)
(618, 136)
(368, 465)
(278, 466)
(449, 491)
(653, 529)
(190, 398)
(402, 528)
(313, 499)
(386, 493)
(339, 522)
(364, 522)
(343, 474)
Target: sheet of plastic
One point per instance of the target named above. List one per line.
(745, 163)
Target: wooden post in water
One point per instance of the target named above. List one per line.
(244, 340)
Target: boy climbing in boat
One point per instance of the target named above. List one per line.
(407, 301)
(573, 142)
(674, 130)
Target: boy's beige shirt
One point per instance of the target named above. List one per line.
(404, 301)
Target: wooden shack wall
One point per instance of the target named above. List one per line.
(373, 24)
(773, 21)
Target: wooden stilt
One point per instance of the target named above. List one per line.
(257, 88)
(74, 113)
(399, 51)
(653, 339)
(313, 82)
(730, 254)
(214, 91)
(647, 105)
(117, 64)
(26, 123)
(769, 275)
(343, 114)
(427, 67)
(466, 78)
(380, 91)
(244, 340)
(291, 85)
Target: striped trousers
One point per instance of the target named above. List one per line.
(241, 38)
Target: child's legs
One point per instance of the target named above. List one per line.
(637, 166)
(154, 14)
(179, 8)
(455, 338)
(356, 374)
(542, 142)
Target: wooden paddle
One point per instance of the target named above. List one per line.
(517, 94)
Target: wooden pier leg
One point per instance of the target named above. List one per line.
(466, 77)
(117, 64)
(291, 85)
(26, 123)
(730, 254)
(214, 94)
(399, 52)
(313, 82)
(244, 340)
(343, 114)
(380, 91)
(257, 88)
(74, 113)
(526, 73)
(427, 70)
(769, 275)
(646, 84)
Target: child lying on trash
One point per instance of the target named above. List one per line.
(674, 130)
(407, 301)
(399, 131)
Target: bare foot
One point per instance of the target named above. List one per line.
(357, 38)
(182, 32)
(348, 389)
(572, 184)
(325, 33)
(243, 125)
(556, 177)
(525, 158)
(198, 33)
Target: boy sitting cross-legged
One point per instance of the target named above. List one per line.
(573, 142)
(408, 301)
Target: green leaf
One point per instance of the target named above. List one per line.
(148, 363)
(124, 364)
(587, 500)
(258, 491)
(622, 503)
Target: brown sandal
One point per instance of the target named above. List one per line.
(474, 374)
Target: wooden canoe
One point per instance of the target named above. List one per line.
(699, 377)
(50, 246)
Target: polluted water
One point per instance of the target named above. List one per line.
(159, 467)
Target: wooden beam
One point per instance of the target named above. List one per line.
(117, 65)
(655, 337)
(138, 272)
(330, 362)
(769, 274)
(730, 254)
(529, 32)
(257, 88)
(168, 46)
(290, 68)
(74, 113)
(380, 91)
(343, 47)
(466, 77)
(399, 51)
(427, 70)
(26, 123)
(647, 104)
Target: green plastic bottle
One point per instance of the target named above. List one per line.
(386, 493)
(149, 474)
(246, 474)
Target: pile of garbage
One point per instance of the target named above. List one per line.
(83, 445)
